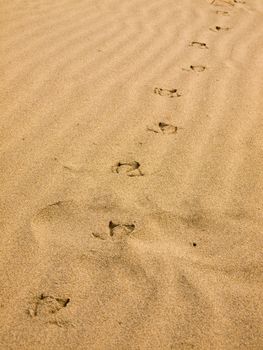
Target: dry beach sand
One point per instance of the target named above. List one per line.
(131, 197)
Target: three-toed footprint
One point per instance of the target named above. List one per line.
(198, 44)
(117, 231)
(198, 68)
(227, 2)
(120, 229)
(164, 128)
(222, 13)
(166, 92)
(45, 305)
(222, 3)
(130, 169)
(219, 29)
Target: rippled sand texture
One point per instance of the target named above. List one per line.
(131, 194)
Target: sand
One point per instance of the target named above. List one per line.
(131, 194)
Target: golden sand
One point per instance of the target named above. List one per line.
(131, 197)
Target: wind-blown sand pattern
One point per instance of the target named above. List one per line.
(131, 175)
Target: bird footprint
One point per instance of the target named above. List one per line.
(197, 69)
(222, 2)
(117, 231)
(219, 29)
(198, 44)
(47, 304)
(165, 92)
(130, 169)
(222, 13)
(164, 129)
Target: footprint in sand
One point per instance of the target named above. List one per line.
(227, 2)
(222, 13)
(222, 2)
(75, 262)
(167, 128)
(164, 128)
(117, 231)
(198, 44)
(219, 29)
(53, 227)
(120, 229)
(130, 169)
(197, 68)
(46, 307)
(168, 93)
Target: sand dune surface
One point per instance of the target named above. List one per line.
(131, 157)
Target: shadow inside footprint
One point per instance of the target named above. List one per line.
(198, 44)
(47, 304)
(164, 128)
(168, 93)
(120, 229)
(167, 128)
(222, 2)
(222, 13)
(193, 68)
(128, 168)
(116, 231)
(219, 29)
(198, 69)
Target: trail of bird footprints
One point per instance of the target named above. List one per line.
(44, 306)
(133, 169)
